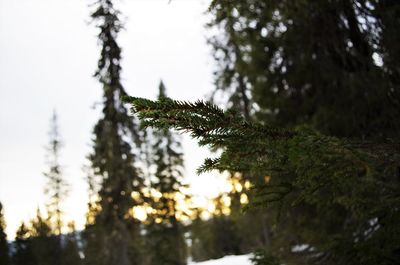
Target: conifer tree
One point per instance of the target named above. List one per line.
(165, 231)
(233, 77)
(313, 62)
(35, 244)
(4, 250)
(331, 65)
(46, 246)
(56, 187)
(201, 245)
(23, 251)
(230, 75)
(217, 236)
(112, 238)
(70, 255)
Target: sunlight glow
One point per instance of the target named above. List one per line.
(140, 213)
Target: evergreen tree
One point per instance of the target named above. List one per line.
(4, 250)
(233, 77)
(335, 182)
(35, 244)
(70, 255)
(23, 251)
(165, 232)
(313, 62)
(332, 65)
(46, 246)
(387, 19)
(56, 187)
(217, 236)
(113, 236)
(201, 247)
(230, 75)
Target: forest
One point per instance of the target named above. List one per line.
(304, 119)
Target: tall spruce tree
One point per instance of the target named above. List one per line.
(165, 232)
(56, 187)
(113, 236)
(4, 250)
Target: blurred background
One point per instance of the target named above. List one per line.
(48, 57)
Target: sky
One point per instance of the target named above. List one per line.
(48, 54)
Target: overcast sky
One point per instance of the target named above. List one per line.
(48, 54)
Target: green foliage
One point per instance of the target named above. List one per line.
(337, 181)
(334, 66)
(215, 128)
(212, 126)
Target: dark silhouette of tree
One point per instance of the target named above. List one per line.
(312, 62)
(70, 254)
(332, 65)
(35, 244)
(4, 249)
(46, 245)
(215, 237)
(23, 251)
(114, 235)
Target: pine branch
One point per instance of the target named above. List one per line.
(312, 162)
(201, 119)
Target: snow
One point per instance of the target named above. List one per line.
(227, 260)
(300, 248)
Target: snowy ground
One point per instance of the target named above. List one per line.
(227, 260)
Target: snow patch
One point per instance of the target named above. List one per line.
(227, 260)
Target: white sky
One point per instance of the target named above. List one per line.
(48, 54)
